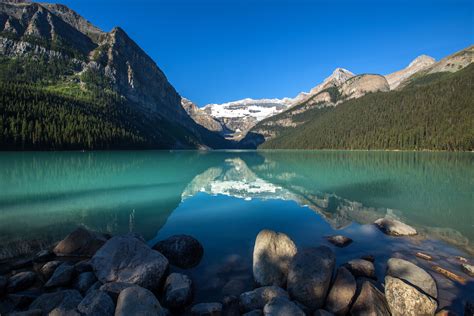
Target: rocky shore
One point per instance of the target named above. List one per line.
(90, 273)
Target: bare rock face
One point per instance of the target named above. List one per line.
(418, 64)
(136, 300)
(370, 302)
(404, 299)
(258, 298)
(281, 306)
(183, 251)
(80, 242)
(394, 227)
(341, 293)
(272, 255)
(360, 85)
(201, 117)
(309, 276)
(413, 275)
(454, 62)
(128, 259)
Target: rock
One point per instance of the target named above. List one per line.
(370, 258)
(24, 298)
(43, 256)
(80, 242)
(62, 276)
(255, 312)
(322, 312)
(339, 240)
(113, 289)
(230, 306)
(280, 306)
(207, 309)
(445, 312)
(341, 293)
(21, 281)
(234, 287)
(370, 302)
(135, 300)
(361, 268)
(310, 274)
(84, 281)
(393, 227)
(413, 275)
(96, 303)
(182, 251)
(95, 286)
(83, 266)
(272, 255)
(178, 291)
(61, 311)
(31, 312)
(3, 285)
(66, 300)
(258, 298)
(48, 268)
(404, 299)
(128, 259)
(468, 269)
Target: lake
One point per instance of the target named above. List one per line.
(224, 198)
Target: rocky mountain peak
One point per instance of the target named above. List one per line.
(422, 61)
(419, 63)
(340, 75)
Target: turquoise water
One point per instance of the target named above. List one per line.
(224, 199)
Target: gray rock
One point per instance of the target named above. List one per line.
(182, 251)
(96, 303)
(370, 302)
(80, 242)
(95, 286)
(23, 299)
(48, 268)
(280, 306)
(3, 285)
(66, 300)
(339, 240)
(84, 281)
(361, 268)
(341, 293)
(234, 287)
(322, 312)
(272, 255)
(207, 309)
(413, 275)
(468, 269)
(255, 312)
(31, 312)
(393, 227)
(113, 289)
(21, 281)
(258, 298)
(62, 276)
(44, 255)
(404, 299)
(61, 311)
(230, 306)
(178, 291)
(128, 259)
(136, 300)
(83, 266)
(310, 274)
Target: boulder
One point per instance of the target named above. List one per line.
(31, 312)
(393, 227)
(182, 251)
(178, 291)
(61, 311)
(341, 293)
(83, 266)
(128, 259)
(20, 281)
(84, 281)
(66, 300)
(404, 299)
(135, 300)
(309, 276)
(23, 299)
(234, 287)
(272, 255)
(255, 312)
(207, 309)
(468, 269)
(230, 306)
(280, 306)
(258, 298)
(361, 268)
(113, 289)
(96, 303)
(62, 276)
(413, 275)
(43, 256)
(95, 286)
(81, 242)
(48, 268)
(322, 312)
(339, 240)
(370, 302)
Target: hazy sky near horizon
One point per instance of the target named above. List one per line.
(215, 51)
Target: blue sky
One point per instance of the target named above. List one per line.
(214, 51)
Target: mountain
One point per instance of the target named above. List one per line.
(107, 92)
(420, 63)
(201, 117)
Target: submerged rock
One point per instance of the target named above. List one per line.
(341, 293)
(67, 300)
(182, 251)
(310, 274)
(128, 259)
(48, 268)
(361, 268)
(255, 312)
(96, 303)
(404, 299)
(31, 312)
(393, 227)
(339, 240)
(3, 285)
(370, 302)
(322, 312)
(80, 242)
(20, 281)
(230, 306)
(468, 269)
(280, 306)
(136, 300)
(258, 298)
(178, 291)
(413, 275)
(62, 276)
(272, 255)
(207, 309)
